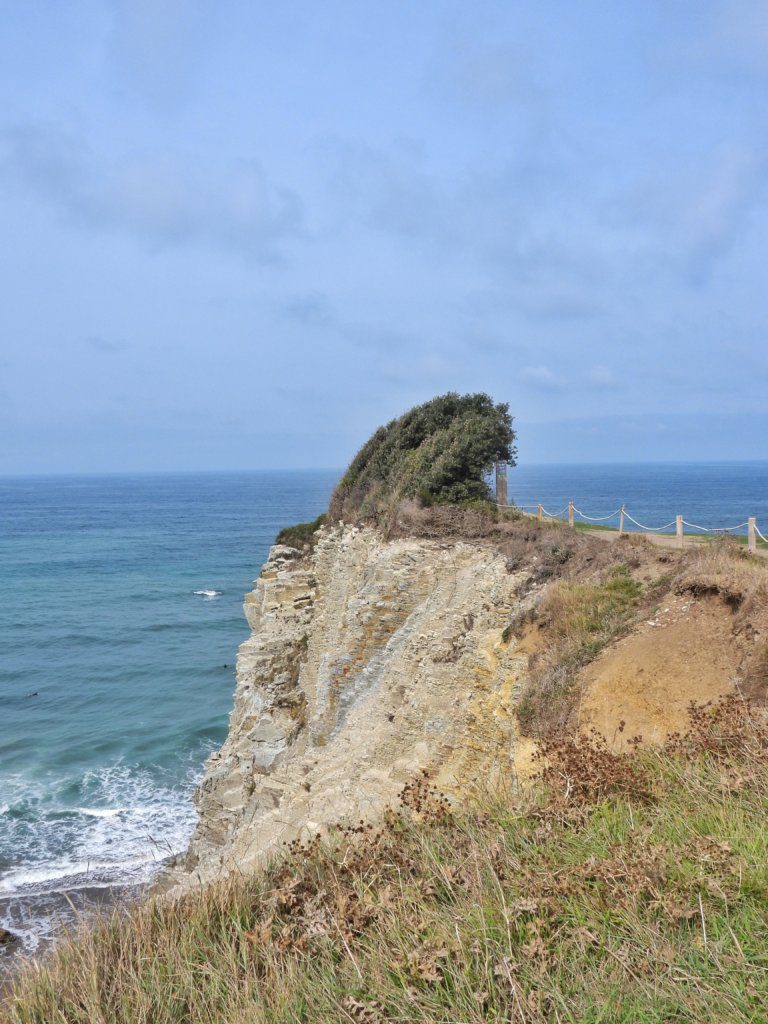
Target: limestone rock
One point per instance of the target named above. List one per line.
(368, 660)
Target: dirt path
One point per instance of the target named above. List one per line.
(660, 540)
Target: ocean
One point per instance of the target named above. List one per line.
(120, 618)
(712, 495)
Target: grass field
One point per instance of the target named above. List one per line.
(619, 889)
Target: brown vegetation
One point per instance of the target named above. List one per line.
(623, 888)
(626, 884)
(549, 549)
(579, 619)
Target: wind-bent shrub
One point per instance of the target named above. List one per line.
(439, 452)
(300, 534)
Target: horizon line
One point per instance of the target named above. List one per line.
(48, 474)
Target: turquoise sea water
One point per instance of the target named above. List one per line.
(120, 618)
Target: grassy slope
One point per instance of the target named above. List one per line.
(577, 617)
(619, 889)
(582, 619)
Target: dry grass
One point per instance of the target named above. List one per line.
(548, 550)
(623, 888)
(726, 569)
(578, 620)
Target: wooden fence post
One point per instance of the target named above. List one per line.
(621, 521)
(751, 534)
(540, 514)
(679, 531)
(501, 484)
(570, 514)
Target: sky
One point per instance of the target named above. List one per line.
(242, 235)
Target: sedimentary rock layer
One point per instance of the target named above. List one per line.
(368, 660)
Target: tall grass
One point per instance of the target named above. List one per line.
(580, 620)
(621, 888)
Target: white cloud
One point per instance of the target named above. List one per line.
(603, 378)
(541, 377)
(692, 212)
(159, 48)
(107, 345)
(731, 38)
(161, 200)
(312, 309)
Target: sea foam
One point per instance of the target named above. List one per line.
(128, 825)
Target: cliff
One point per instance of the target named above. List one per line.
(371, 660)
(446, 649)
(368, 661)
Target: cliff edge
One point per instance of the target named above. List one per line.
(369, 660)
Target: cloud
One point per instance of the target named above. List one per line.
(714, 213)
(159, 200)
(159, 47)
(740, 34)
(507, 217)
(429, 369)
(544, 302)
(564, 240)
(486, 70)
(602, 378)
(692, 213)
(731, 38)
(541, 377)
(311, 309)
(514, 224)
(106, 345)
(389, 189)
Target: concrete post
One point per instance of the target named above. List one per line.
(570, 514)
(621, 521)
(679, 531)
(540, 514)
(752, 534)
(501, 484)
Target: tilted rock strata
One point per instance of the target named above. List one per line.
(367, 661)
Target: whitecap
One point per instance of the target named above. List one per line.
(20, 878)
(72, 875)
(207, 594)
(101, 812)
(128, 823)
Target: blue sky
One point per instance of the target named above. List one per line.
(242, 235)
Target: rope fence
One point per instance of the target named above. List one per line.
(650, 529)
(715, 529)
(679, 522)
(596, 519)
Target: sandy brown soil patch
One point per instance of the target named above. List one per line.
(685, 652)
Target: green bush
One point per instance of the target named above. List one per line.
(301, 534)
(439, 453)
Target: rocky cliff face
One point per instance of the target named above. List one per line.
(367, 661)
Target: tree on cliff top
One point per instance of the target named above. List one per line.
(439, 452)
